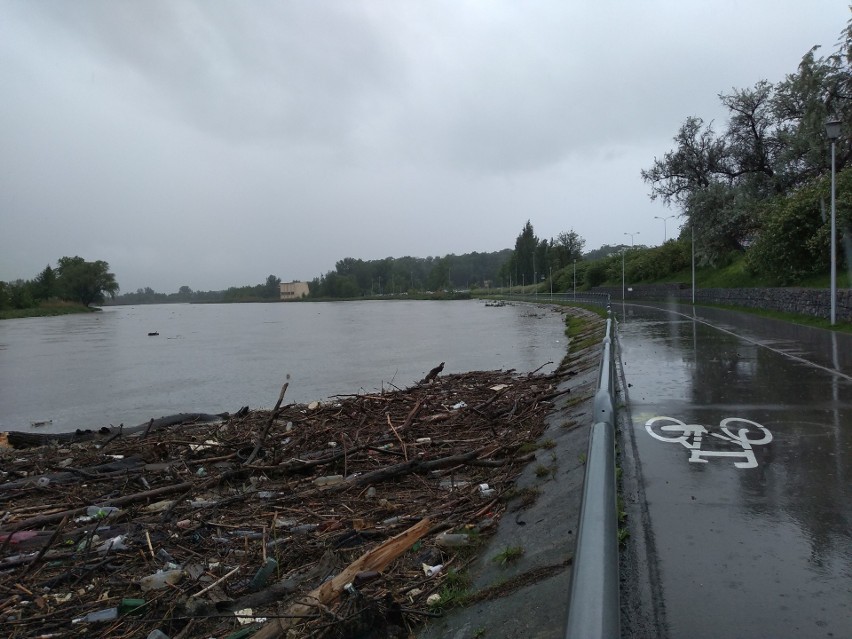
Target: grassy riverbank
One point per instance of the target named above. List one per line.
(47, 309)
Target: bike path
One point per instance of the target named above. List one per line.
(739, 502)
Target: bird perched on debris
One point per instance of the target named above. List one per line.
(431, 375)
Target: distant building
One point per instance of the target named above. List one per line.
(294, 290)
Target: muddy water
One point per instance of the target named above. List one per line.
(103, 368)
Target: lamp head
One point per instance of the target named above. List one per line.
(832, 129)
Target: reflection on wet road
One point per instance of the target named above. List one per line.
(742, 439)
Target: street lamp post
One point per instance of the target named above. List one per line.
(575, 280)
(622, 263)
(667, 217)
(551, 284)
(692, 226)
(832, 130)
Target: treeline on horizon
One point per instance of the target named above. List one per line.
(267, 291)
(352, 278)
(74, 281)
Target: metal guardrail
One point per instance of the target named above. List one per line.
(593, 608)
(600, 299)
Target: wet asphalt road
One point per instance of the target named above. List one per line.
(740, 528)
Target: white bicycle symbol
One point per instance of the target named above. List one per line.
(691, 436)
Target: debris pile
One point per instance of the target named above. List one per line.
(340, 518)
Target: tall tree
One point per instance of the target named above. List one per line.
(523, 257)
(567, 247)
(751, 144)
(85, 282)
(698, 159)
(46, 285)
(272, 288)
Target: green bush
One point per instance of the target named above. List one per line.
(794, 239)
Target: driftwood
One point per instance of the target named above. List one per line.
(315, 488)
(21, 439)
(376, 559)
(74, 474)
(272, 417)
(36, 522)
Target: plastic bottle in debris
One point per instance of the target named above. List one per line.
(131, 606)
(262, 576)
(164, 556)
(304, 529)
(157, 634)
(328, 480)
(449, 540)
(101, 512)
(160, 579)
(99, 616)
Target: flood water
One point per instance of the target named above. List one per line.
(85, 371)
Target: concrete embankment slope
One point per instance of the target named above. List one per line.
(528, 597)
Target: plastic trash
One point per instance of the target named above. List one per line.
(452, 484)
(262, 576)
(365, 576)
(486, 491)
(99, 616)
(459, 405)
(164, 556)
(423, 440)
(157, 634)
(130, 606)
(285, 522)
(431, 571)
(112, 544)
(102, 512)
(328, 480)
(246, 616)
(159, 506)
(160, 579)
(304, 529)
(451, 540)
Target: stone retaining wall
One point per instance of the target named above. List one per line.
(805, 301)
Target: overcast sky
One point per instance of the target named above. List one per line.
(212, 143)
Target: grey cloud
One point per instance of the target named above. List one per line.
(210, 143)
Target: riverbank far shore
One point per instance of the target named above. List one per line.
(48, 309)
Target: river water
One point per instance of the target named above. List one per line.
(92, 370)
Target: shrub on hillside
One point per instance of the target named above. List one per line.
(794, 239)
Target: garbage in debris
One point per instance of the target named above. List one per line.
(431, 571)
(126, 538)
